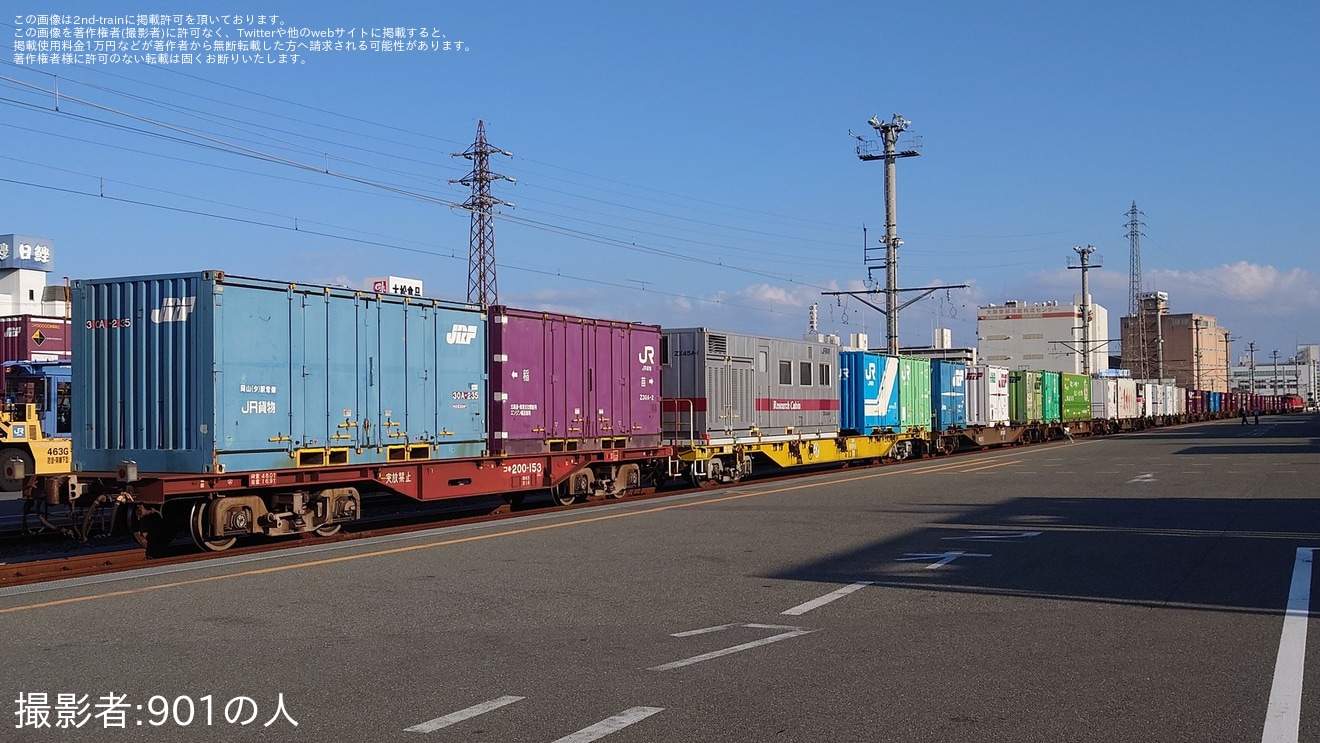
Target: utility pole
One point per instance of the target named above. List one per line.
(1297, 377)
(1159, 338)
(1228, 361)
(1251, 370)
(482, 289)
(1196, 353)
(1085, 266)
(1274, 372)
(889, 152)
(889, 132)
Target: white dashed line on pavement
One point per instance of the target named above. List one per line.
(430, 726)
(815, 603)
(1284, 715)
(610, 725)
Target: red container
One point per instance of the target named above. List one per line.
(564, 383)
(34, 338)
(1197, 402)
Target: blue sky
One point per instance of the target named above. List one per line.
(688, 163)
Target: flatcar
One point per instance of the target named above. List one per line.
(228, 407)
(732, 400)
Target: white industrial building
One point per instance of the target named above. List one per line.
(25, 266)
(1298, 374)
(1044, 335)
(941, 349)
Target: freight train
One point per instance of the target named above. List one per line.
(228, 407)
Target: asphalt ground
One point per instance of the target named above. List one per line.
(1122, 589)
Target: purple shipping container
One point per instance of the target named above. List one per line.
(564, 383)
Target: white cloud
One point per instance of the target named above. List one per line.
(681, 304)
(340, 280)
(1256, 302)
(1254, 288)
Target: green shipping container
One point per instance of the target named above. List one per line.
(1024, 397)
(914, 393)
(1049, 396)
(1076, 397)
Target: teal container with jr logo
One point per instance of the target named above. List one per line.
(209, 373)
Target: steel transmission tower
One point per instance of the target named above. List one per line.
(481, 258)
(1137, 308)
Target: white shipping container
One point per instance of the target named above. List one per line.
(1104, 399)
(1177, 400)
(987, 395)
(1161, 398)
(1145, 400)
(1127, 399)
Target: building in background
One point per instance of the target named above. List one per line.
(941, 349)
(1298, 374)
(1046, 336)
(25, 266)
(34, 317)
(1189, 348)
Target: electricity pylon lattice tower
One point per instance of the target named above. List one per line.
(482, 289)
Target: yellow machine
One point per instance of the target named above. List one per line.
(35, 422)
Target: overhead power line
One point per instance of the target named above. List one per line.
(452, 255)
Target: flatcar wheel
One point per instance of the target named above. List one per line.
(197, 526)
(714, 474)
(563, 494)
(629, 477)
(693, 478)
(328, 530)
(148, 527)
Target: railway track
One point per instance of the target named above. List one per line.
(19, 572)
(130, 556)
(133, 557)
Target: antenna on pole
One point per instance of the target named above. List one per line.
(1251, 370)
(482, 288)
(888, 150)
(1085, 265)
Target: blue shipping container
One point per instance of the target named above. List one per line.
(1216, 402)
(948, 394)
(868, 392)
(208, 373)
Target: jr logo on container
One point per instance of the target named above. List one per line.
(174, 310)
(461, 334)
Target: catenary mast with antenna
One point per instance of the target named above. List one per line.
(890, 153)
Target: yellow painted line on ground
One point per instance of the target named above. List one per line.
(464, 540)
(990, 466)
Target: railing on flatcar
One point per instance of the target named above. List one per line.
(674, 402)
